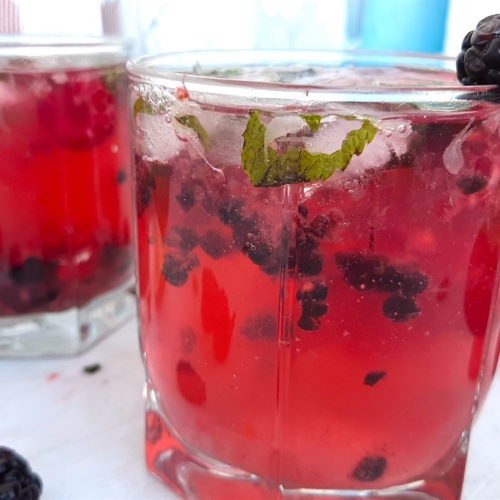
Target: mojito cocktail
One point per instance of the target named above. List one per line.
(318, 252)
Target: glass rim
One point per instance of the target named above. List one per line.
(18, 51)
(168, 69)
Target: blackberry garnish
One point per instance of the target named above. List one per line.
(176, 268)
(370, 468)
(214, 245)
(372, 378)
(186, 197)
(400, 308)
(257, 248)
(472, 184)
(479, 61)
(260, 327)
(17, 480)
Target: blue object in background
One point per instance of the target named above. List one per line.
(403, 25)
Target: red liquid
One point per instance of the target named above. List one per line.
(65, 221)
(326, 338)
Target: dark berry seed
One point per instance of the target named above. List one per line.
(370, 468)
(176, 269)
(372, 378)
(17, 480)
(186, 197)
(472, 184)
(400, 308)
(214, 245)
(321, 225)
(314, 308)
(308, 323)
(303, 211)
(309, 264)
(260, 327)
(121, 176)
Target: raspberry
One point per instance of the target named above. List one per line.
(479, 61)
(370, 468)
(17, 481)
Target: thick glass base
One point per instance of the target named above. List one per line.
(195, 476)
(67, 332)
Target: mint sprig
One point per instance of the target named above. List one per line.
(142, 106)
(314, 121)
(296, 164)
(194, 124)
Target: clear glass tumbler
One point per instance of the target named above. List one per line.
(318, 241)
(66, 254)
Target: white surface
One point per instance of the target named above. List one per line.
(84, 433)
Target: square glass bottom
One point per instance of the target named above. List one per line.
(66, 332)
(195, 476)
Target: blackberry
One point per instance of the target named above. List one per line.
(303, 211)
(372, 378)
(260, 327)
(308, 323)
(176, 268)
(400, 308)
(17, 480)
(144, 184)
(478, 62)
(309, 264)
(182, 237)
(32, 270)
(214, 245)
(472, 184)
(320, 226)
(121, 176)
(186, 197)
(313, 305)
(257, 248)
(230, 212)
(370, 468)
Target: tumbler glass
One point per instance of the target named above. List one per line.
(318, 241)
(66, 254)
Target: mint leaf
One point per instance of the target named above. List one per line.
(193, 123)
(142, 106)
(296, 164)
(313, 121)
